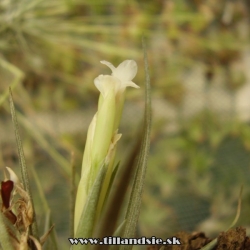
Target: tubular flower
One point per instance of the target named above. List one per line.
(103, 134)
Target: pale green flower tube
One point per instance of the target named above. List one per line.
(102, 132)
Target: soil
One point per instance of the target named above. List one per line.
(233, 239)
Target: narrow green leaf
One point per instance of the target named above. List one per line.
(12, 230)
(24, 170)
(210, 245)
(49, 233)
(72, 194)
(134, 205)
(213, 243)
(111, 181)
(4, 237)
(238, 209)
(119, 231)
(88, 218)
(42, 198)
(105, 225)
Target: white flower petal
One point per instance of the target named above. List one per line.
(110, 65)
(98, 83)
(126, 71)
(105, 84)
(132, 84)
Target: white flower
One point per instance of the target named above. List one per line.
(115, 84)
(125, 71)
(121, 77)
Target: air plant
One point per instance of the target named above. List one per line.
(95, 213)
(95, 195)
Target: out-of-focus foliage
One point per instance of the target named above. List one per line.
(198, 54)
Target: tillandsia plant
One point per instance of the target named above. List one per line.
(103, 133)
(94, 204)
(97, 203)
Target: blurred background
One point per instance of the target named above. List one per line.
(199, 58)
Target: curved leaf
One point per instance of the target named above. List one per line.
(4, 237)
(88, 218)
(22, 163)
(133, 210)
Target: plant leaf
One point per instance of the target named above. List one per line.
(238, 209)
(117, 195)
(72, 194)
(118, 232)
(210, 245)
(134, 205)
(213, 243)
(111, 181)
(24, 171)
(51, 232)
(44, 203)
(4, 237)
(12, 230)
(87, 221)
(46, 235)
